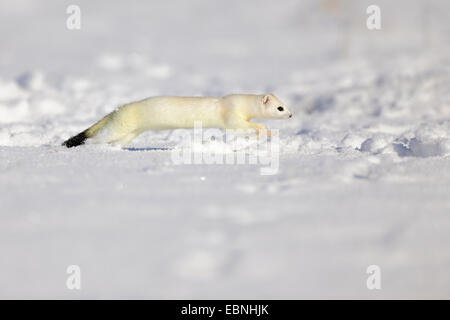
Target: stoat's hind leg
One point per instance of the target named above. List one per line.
(123, 141)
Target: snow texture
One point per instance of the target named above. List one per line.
(364, 176)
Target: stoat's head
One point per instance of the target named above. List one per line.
(273, 108)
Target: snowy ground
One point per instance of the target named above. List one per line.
(364, 175)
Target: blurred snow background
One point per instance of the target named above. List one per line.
(364, 175)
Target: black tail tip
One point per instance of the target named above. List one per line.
(77, 140)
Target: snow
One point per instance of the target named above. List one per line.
(364, 172)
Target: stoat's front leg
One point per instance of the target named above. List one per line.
(260, 129)
(235, 122)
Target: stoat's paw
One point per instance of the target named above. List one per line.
(265, 132)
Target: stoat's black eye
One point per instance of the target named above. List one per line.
(280, 108)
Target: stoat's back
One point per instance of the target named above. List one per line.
(182, 112)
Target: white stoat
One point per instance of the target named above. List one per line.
(160, 113)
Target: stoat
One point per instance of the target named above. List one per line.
(161, 113)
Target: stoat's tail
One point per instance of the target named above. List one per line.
(90, 132)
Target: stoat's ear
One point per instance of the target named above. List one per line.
(266, 99)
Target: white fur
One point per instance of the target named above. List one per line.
(161, 113)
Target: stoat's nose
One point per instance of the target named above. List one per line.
(290, 116)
